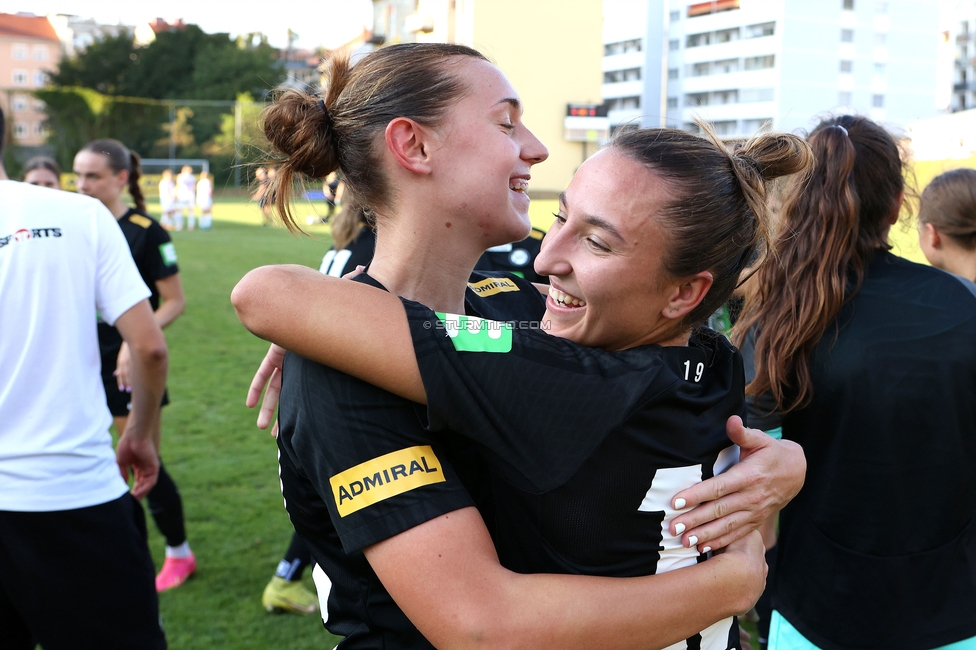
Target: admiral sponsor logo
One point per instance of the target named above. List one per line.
(491, 286)
(384, 477)
(24, 235)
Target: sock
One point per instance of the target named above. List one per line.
(166, 508)
(296, 559)
(181, 551)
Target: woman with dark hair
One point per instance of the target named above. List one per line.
(430, 138)
(947, 222)
(106, 169)
(869, 362)
(42, 171)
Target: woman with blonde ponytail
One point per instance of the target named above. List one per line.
(869, 362)
(445, 168)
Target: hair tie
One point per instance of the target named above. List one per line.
(325, 113)
(843, 130)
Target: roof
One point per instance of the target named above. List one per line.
(27, 27)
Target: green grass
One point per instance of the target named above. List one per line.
(226, 469)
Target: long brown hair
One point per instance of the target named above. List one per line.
(949, 204)
(119, 158)
(315, 135)
(346, 225)
(830, 226)
(718, 218)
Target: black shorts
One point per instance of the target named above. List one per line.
(119, 401)
(78, 579)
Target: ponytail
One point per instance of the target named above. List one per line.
(831, 224)
(135, 172)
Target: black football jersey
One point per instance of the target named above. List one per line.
(587, 447)
(358, 467)
(877, 549)
(359, 252)
(517, 258)
(155, 258)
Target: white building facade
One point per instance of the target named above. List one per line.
(741, 64)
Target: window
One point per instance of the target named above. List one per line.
(725, 97)
(760, 62)
(672, 102)
(725, 66)
(848, 5)
(20, 77)
(40, 78)
(673, 44)
(19, 51)
(697, 40)
(846, 66)
(623, 103)
(726, 35)
(727, 127)
(844, 98)
(37, 129)
(622, 47)
(672, 73)
(751, 126)
(880, 39)
(616, 76)
(697, 99)
(877, 101)
(19, 103)
(748, 95)
(760, 30)
(21, 129)
(675, 16)
(40, 53)
(39, 106)
(701, 69)
(847, 36)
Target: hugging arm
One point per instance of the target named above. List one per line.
(466, 599)
(364, 332)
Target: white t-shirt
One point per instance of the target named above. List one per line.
(186, 185)
(62, 257)
(204, 193)
(167, 194)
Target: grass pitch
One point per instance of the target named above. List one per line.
(225, 467)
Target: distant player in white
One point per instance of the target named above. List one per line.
(186, 186)
(204, 201)
(167, 199)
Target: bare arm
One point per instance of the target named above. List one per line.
(148, 379)
(173, 304)
(445, 576)
(296, 308)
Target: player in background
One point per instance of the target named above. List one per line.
(105, 169)
(42, 171)
(167, 200)
(869, 362)
(186, 184)
(947, 222)
(75, 570)
(205, 200)
(260, 195)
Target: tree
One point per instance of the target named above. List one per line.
(104, 66)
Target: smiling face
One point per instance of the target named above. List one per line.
(43, 177)
(603, 256)
(483, 154)
(96, 179)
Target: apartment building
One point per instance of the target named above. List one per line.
(961, 40)
(29, 51)
(744, 63)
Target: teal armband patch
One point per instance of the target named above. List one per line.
(473, 334)
(776, 433)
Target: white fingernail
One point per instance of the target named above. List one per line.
(679, 503)
(679, 528)
(707, 549)
(692, 541)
